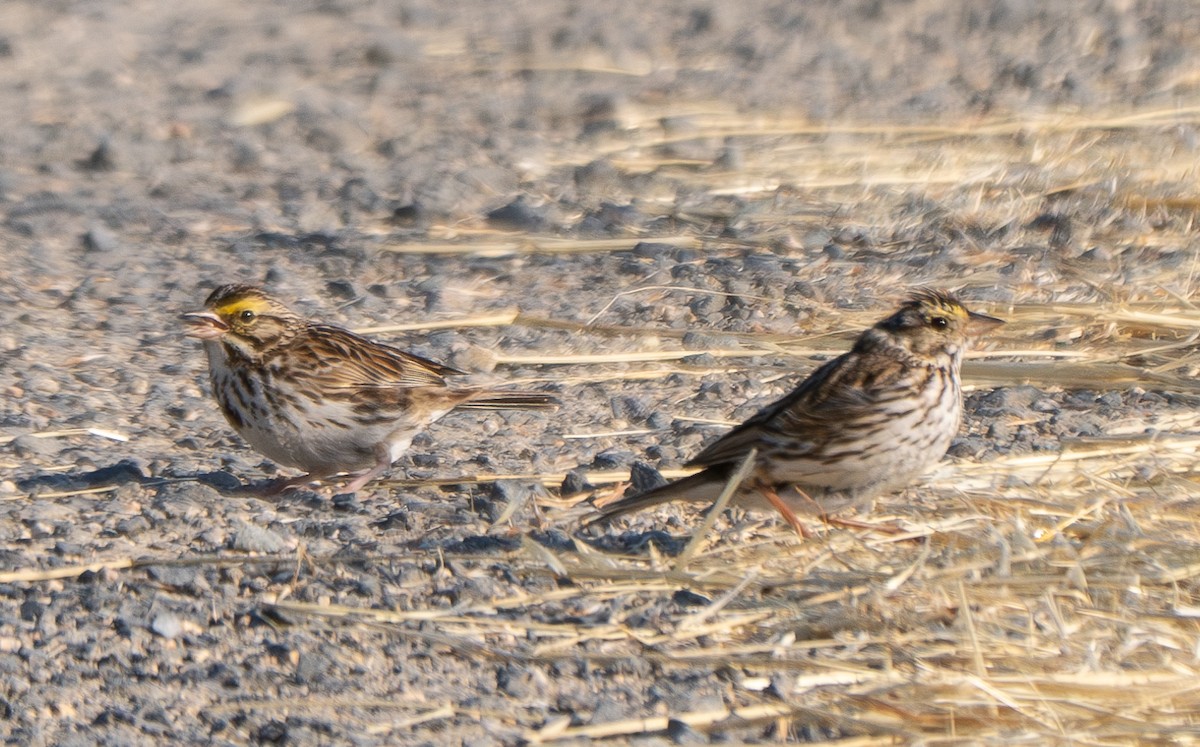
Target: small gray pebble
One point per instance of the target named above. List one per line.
(28, 446)
(598, 176)
(69, 548)
(612, 459)
(627, 408)
(1112, 399)
(833, 251)
(312, 668)
(181, 494)
(166, 625)
(100, 239)
(100, 159)
(575, 483)
(1044, 405)
(514, 682)
(179, 577)
(519, 215)
(43, 384)
(133, 525)
(31, 610)
(702, 341)
(660, 420)
(681, 733)
(1097, 254)
(251, 538)
(651, 249)
(762, 262)
(1002, 430)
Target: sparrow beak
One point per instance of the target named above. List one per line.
(978, 324)
(204, 325)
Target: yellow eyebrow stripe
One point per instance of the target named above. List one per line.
(237, 306)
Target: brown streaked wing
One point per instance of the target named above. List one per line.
(342, 359)
(837, 392)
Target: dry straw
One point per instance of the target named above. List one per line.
(1042, 597)
(1033, 596)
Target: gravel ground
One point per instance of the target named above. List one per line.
(153, 150)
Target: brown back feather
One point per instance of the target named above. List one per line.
(838, 391)
(347, 360)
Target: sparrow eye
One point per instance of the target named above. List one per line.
(246, 316)
(940, 322)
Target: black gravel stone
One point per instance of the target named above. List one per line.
(643, 477)
(574, 483)
(518, 215)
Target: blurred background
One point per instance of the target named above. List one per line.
(221, 117)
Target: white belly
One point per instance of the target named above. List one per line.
(308, 434)
(908, 441)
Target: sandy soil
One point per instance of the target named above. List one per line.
(747, 183)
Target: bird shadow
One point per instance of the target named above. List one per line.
(632, 542)
(555, 539)
(128, 472)
(124, 472)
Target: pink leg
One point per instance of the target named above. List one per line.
(789, 516)
(384, 461)
(835, 521)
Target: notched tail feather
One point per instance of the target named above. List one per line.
(510, 401)
(703, 487)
